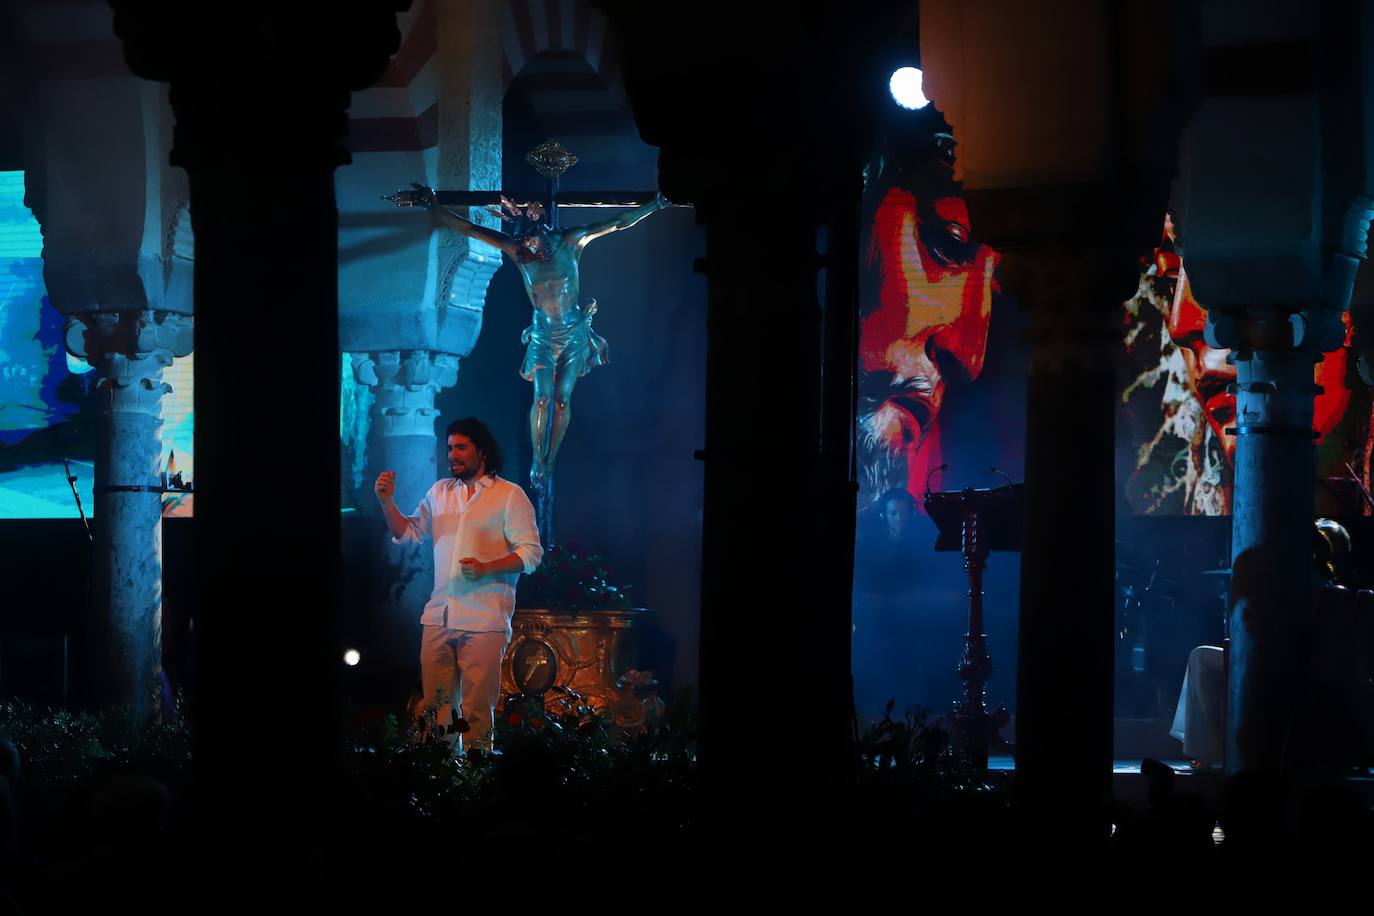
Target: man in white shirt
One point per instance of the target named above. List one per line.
(484, 536)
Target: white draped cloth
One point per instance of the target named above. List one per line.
(1198, 721)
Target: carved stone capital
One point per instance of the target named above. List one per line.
(1071, 294)
(129, 351)
(404, 384)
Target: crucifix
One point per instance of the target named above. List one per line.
(560, 345)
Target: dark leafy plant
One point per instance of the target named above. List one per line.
(565, 767)
(67, 756)
(911, 756)
(568, 582)
(60, 747)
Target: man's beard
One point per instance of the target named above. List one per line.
(882, 460)
(881, 467)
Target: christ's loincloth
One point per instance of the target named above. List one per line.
(570, 347)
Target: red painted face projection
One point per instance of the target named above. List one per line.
(925, 311)
(1178, 412)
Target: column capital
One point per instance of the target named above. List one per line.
(227, 69)
(1072, 294)
(129, 351)
(405, 383)
(1274, 329)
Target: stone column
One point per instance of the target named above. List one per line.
(411, 309)
(259, 105)
(404, 384)
(117, 255)
(1065, 653)
(1271, 524)
(129, 351)
(1272, 247)
(1072, 195)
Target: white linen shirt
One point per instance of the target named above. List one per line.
(489, 521)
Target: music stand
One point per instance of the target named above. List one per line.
(976, 522)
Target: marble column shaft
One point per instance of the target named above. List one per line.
(129, 351)
(404, 384)
(1271, 524)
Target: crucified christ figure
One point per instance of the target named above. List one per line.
(560, 345)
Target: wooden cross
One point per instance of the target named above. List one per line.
(550, 160)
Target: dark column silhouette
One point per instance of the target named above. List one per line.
(259, 94)
(768, 144)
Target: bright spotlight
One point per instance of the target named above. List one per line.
(352, 657)
(905, 86)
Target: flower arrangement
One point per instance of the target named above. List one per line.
(568, 582)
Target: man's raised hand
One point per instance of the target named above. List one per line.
(385, 487)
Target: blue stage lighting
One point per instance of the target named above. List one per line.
(905, 86)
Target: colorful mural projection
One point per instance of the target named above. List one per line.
(45, 409)
(178, 434)
(939, 384)
(1175, 414)
(926, 303)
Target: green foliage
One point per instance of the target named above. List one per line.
(564, 773)
(61, 748)
(570, 583)
(67, 756)
(912, 759)
(553, 768)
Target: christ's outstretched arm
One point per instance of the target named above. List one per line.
(499, 240)
(583, 235)
(421, 196)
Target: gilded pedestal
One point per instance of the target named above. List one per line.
(586, 652)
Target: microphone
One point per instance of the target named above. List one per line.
(996, 470)
(933, 472)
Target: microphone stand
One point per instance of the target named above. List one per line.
(90, 571)
(1001, 473)
(71, 482)
(932, 473)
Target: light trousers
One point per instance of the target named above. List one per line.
(1198, 720)
(463, 668)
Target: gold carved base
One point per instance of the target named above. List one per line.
(585, 652)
